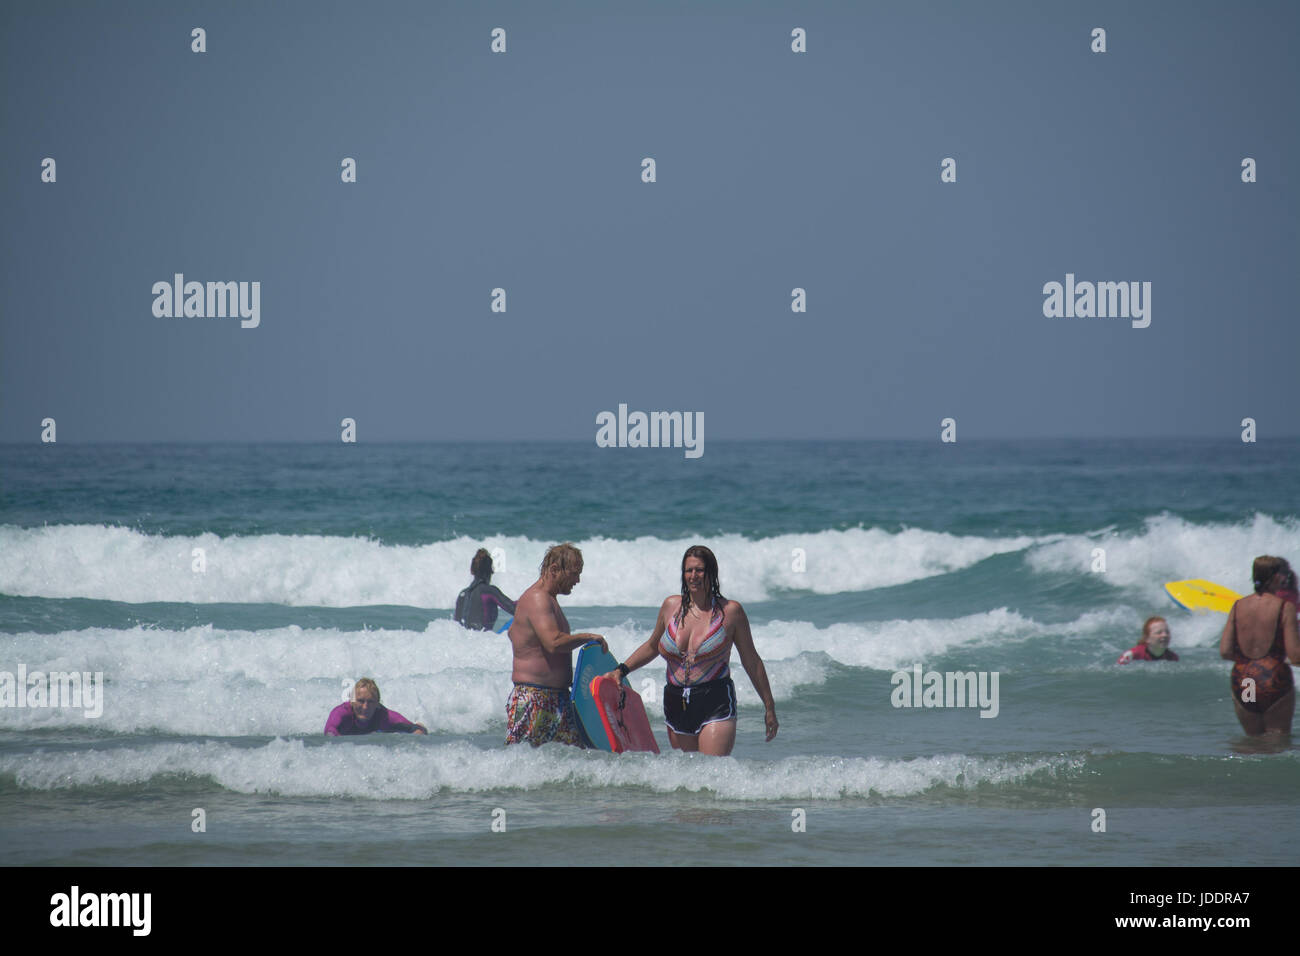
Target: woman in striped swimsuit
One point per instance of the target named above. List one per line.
(694, 634)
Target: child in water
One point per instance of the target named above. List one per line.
(1154, 645)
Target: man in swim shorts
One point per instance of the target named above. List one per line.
(539, 710)
(364, 714)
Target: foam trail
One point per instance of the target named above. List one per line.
(1169, 548)
(210, 682)
(121, 564)
(418, 768)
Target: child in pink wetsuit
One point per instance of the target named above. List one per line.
(1154, 645)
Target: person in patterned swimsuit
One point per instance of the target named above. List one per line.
(1259, 638)
(694, 633)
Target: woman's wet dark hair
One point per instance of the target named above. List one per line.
(710, 575)
(481, 566)
(1270, 573)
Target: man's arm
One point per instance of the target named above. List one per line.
(541, 615)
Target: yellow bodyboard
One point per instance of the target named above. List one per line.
(1198, 595)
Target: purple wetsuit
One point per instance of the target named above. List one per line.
(476, 606)
(343, 723)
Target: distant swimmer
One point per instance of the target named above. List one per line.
(364, 714)
(1154, 645)
(1259, 638)
(539, 710)
(694, 634)
(476, 606)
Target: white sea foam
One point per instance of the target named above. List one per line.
(416, 769)
(1171, 549)
(120, 564)
(284, 681)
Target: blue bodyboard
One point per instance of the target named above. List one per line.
(591, 663)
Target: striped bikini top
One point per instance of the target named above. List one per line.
(711, 660)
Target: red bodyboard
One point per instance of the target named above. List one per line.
(628, 728)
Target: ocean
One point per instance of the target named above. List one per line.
(228, 593)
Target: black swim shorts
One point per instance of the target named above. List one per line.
(687, 709)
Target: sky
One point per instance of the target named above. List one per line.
(522, 170)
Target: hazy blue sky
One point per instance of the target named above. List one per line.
(522, 170)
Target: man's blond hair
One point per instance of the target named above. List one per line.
(562, 558)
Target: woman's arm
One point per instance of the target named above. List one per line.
(648, 651)
(1289, 635)
(1229, 629)
(753, 664)
(499, 596)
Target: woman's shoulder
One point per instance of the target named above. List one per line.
(733, 611)
(1266, 599)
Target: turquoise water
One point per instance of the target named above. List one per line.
(853, 560)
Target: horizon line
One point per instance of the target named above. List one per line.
(584, 441)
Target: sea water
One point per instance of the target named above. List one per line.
(228, 593)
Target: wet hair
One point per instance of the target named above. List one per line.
(481, 566)
(1271, 574)
(1146, 628)
(562, 558)
(710, 577)
(369, 685)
